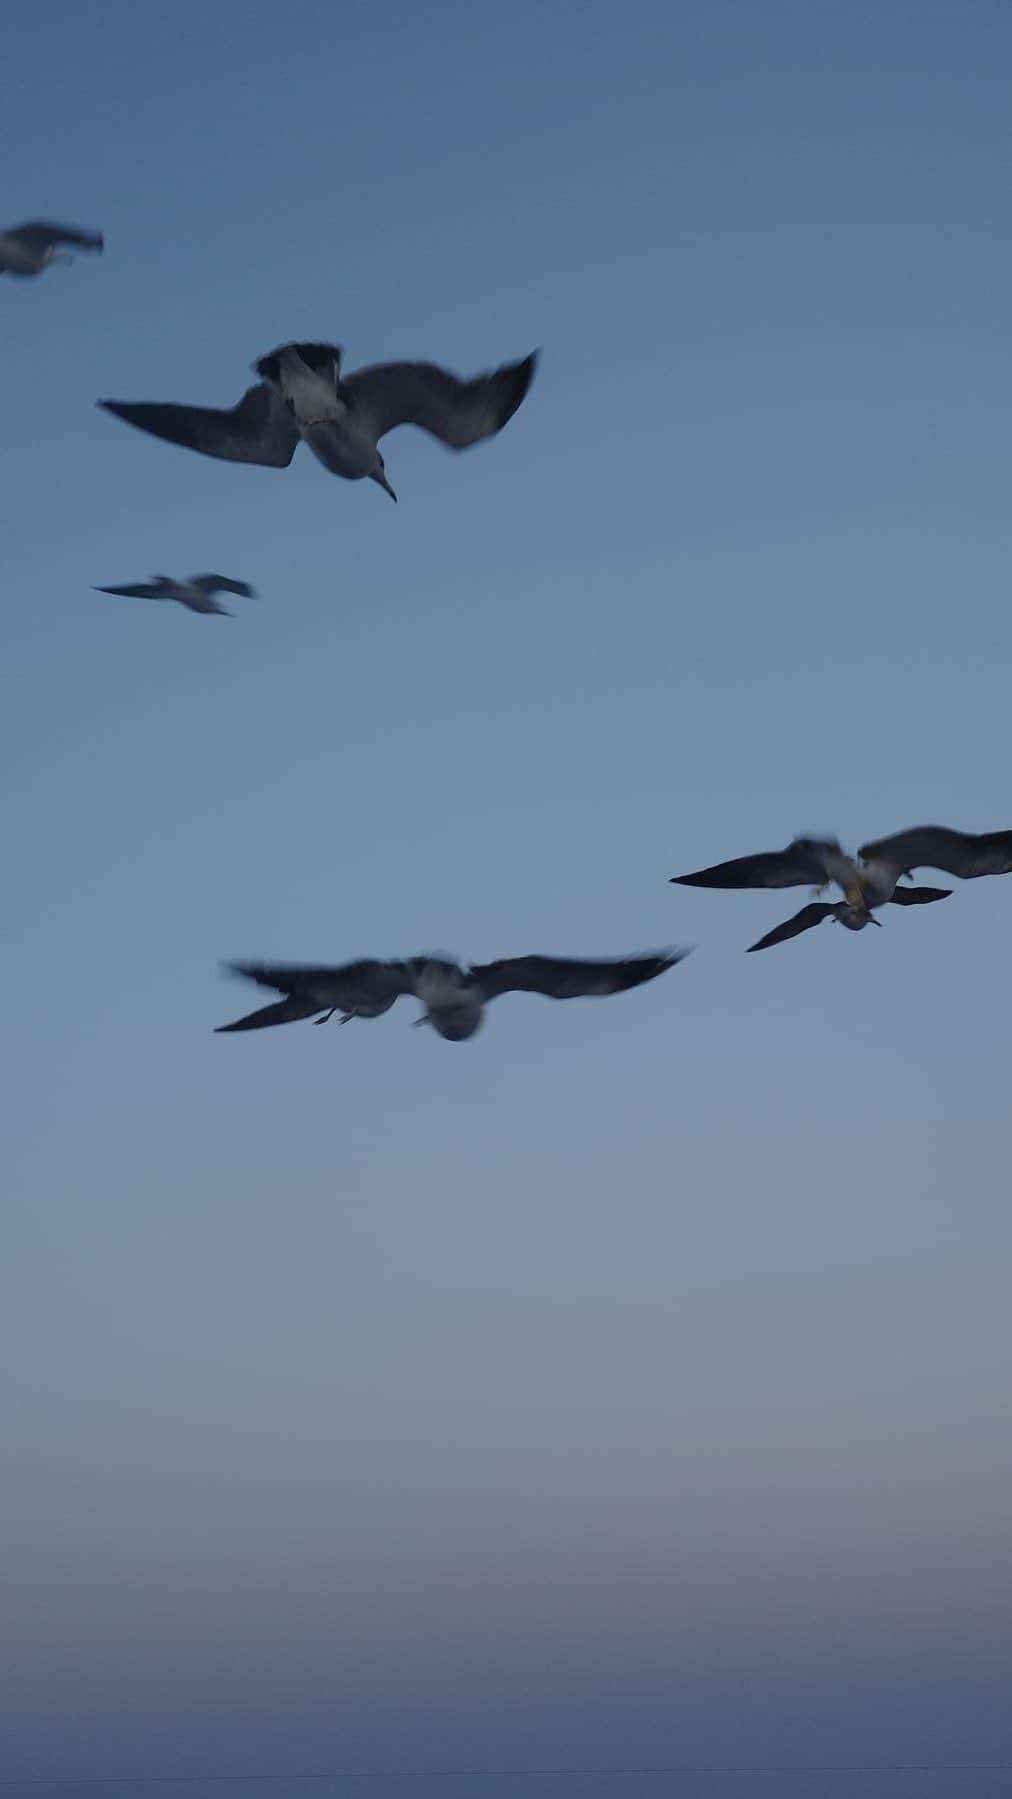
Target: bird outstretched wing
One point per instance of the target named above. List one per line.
(260, 429)
(569, 978)
(320, 987)
(799, 865)
(918, 896)
(38, 234)
(285, 1011)
(142, 590)
(223, 584)
(459, 413)
(292, 977)
(805, 920)
(962, 853)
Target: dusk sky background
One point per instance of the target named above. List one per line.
(626, 1388)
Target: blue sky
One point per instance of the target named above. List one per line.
(627, 1387)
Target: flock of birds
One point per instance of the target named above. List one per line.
(303, 396)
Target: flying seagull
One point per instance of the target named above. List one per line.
(197, 593)
(453, 996)
(817, 862)
(28, 249)
(301, 394)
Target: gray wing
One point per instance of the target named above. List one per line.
(223, 584)
(458, 412)
(805, 920)
(572, 978)
(282, 976)
(918, 896)
(38, 235)
(798, 865)
(960, 853)
(144, 590)
(310, 988)
(365, 981)
(260, 429)
(285, 1011)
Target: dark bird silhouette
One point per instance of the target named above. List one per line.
(28, 249)
(197, 593)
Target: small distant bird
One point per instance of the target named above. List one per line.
(301, 395)
(818, 861)
(453, 996)
(197, 593)
(28, 249)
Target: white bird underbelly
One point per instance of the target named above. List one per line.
(878, 883)
(342, 451)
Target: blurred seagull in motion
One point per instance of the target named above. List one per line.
(28, 249)
(302, 396)
(867, 882)
(197, 593)
(454, 997)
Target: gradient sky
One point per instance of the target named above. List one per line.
(629, 1386)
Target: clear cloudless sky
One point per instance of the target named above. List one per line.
(628, 1387)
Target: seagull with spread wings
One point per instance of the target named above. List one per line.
(867, 883)
(197, 593)
(303, 397)
(28, 249)
(454, 997)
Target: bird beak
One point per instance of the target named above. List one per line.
(417, 1021)
(874, 920)
(381, 480)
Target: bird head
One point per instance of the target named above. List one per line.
(855, 917)
(379, 475)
